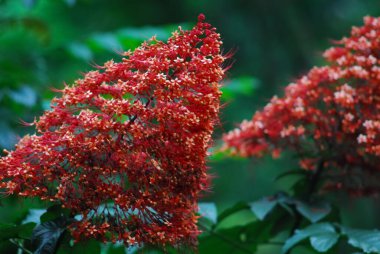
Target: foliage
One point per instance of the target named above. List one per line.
(328, 117)
(131, 137)
(44, 42)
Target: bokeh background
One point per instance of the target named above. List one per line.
(44, 43)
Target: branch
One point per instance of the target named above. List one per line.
(314, 180)
(20, 246)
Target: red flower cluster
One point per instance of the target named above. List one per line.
(125, 146)
(330, 115)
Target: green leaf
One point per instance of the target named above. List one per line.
(29, 3)
(232, 210)
(23, 231)
(144, 33)
(313, 212)
(323, 243)
(244, 85)
(287, 208)
(300, 186)
(90, 246)
(80, 51)
(116, 250)
(299, 172)
(53, 212)
(70, 2)
(47, 234)
(209, 211)
(262, 207)
(239, 239)
(221, 241)
(24, 95)
(312, 230)
(366, 240)
(104, 41)
(283, 198)
(39, 27)
(217, 155)
(7, 136)
(46, 104)
(26, 230)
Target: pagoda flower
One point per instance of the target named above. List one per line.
(330, 117)
(124, 147)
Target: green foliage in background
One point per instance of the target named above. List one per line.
(44, 43)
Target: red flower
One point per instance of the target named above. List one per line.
(330, 114)
(125, 146)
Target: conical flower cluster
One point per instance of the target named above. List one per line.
(125, 146)
(330, 116)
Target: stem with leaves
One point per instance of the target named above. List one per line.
(20, 246)
(313, 183)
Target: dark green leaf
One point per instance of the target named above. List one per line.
(24, 95)
(70, 2)
(283, 198)
(232, 210)
(239, 239)
(313, 212)
(244, 85)
(291, 173)
(151, 250)
(12, 231)
(80, 51)
(29, 3)
(7, 136)
(53, 212)
(323, 243)
(144, 33)
(300, 186)
(38, 27)
(105, 41)
(312, 230)
(92, 246)
(366, 240)
(26, 230)
(46, 235)
(262, 207)
(116, 250)
(287, 208)
(217, 154)
(86, 247)
(221, 241)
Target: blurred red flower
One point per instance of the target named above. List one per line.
(330, 115)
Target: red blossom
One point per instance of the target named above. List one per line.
(331, 114)
(125, 146)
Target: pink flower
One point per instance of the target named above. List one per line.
(331, 114)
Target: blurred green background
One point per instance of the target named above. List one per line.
(44, 43)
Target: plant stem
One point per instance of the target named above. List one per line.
(20, 246)
(314, 180)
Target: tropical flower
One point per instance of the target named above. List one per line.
(124, 147)
(329, 116)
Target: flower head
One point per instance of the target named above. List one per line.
(125, 146)
(330, 114)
